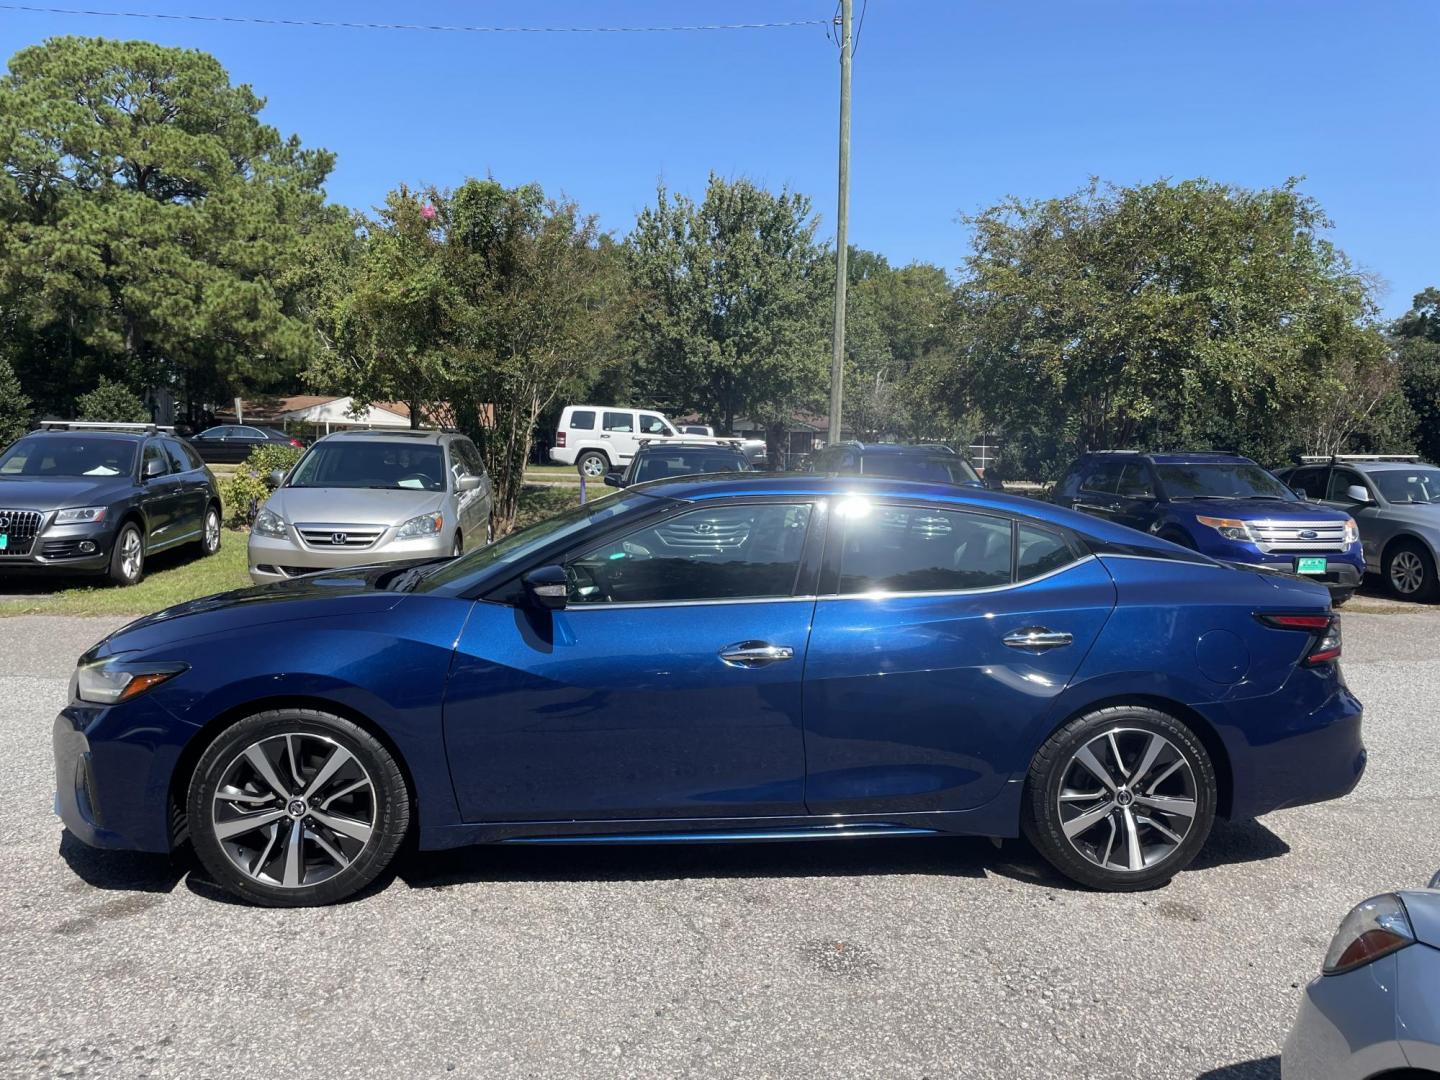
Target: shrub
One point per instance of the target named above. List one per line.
(245, 491)
(111, 402)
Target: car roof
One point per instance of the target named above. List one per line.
(687, 444)
(104, 433)
(406, 435)
(1385, 466)
(922, 449)
(1175, 457)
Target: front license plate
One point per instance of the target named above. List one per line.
(1310, 566)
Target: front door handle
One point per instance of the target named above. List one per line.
(749, 654)
(1037, 638)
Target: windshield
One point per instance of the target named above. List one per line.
(1222, 480)
(518, 545)
(660, 464)
(939, 469)
(65, 455)
(347, 464)
(1417, 485)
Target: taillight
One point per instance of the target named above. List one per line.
(560, 438)
(296, 443)
(1324, 631)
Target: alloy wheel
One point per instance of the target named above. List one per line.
(1407, 572)
(1127, 799)
(293, 810)
(594, 466)
(212, 531)
(130, 554)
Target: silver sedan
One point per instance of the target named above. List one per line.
(1375, 1010)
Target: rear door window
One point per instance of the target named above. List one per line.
(619, 421)
(904, 549)
(1103, 477)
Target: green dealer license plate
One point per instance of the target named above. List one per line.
(1310, 566)
(4, 541)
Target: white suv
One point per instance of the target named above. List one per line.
(597, 438)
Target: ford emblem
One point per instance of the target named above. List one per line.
(1308, 534)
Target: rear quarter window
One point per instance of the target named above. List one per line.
(582, 420)
(1039, 551)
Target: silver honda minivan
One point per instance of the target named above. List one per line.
(360, 497)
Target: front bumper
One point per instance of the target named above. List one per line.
(114, 793)
(273, 559)
(64, 549)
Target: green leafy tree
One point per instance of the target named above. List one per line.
(148, 218)
(112, 402)
(1417, 340)
(14, 406)
(1184, 314)
(731, 304)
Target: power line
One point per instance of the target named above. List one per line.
(325, 25)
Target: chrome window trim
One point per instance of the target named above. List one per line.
(607, 604)
(1159, 558)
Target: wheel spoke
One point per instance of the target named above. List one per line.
(1078, 824)
(226, 830)
(235, 795)
(1174, 838)
(364, 781)
(356, 830)
(294, 864)
(1081, 796)
(1110, 843)
(1133, 854)
(1166, 774)
(1115, 749)
(1147, 759)
(1087, 758)
(294, 760)
(335, 853)
(339, 757)
(261, 764)
(264, 856)
(1168, 804)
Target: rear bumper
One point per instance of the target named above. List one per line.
(1304, 758)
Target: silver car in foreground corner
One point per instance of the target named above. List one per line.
(360, 497)
(1375, 1010)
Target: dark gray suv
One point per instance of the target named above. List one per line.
(100, 499)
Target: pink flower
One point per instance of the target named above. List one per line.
(428, 212)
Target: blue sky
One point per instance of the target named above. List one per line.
(957, 104)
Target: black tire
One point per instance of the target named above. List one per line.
(1044, 824)
(127, 559)
(458, 547)
(210, 531)
(1340, 597)
(1411, 562)
(1175, 536)
(384, 807)
(592, 464)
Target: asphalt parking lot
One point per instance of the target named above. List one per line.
(924, 958)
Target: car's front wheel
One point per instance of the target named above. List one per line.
(210, 531)
(1120, 799)
(295, 807)
(127, 560)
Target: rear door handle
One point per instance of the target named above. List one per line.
(749, 654)
(1037, 638)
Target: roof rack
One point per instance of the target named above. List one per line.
(692, 440)
(1326, 459)
(104, 425)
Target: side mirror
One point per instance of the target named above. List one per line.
(1302, 493)
(615, 479)
(154, 467)
(547, 586)
(274, 478)
(1357, 493)
(469, 482)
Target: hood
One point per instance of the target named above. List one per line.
(52, 493)
(353, 591)
(352, 506)
(1259, 509)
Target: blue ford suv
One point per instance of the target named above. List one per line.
(734, 657)
(1222, 505)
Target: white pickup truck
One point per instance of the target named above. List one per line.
(598, 438)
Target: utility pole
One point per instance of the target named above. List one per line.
(837, 359)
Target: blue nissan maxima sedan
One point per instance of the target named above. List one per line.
(733, 657)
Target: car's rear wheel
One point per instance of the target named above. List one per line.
(593, 464)
(1120, 799)
(295, 807)
(127, 560)
(1410, 571)
(210, 532)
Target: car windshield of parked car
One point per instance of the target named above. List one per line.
(1222, 480)
(520, 544)
(939, 469)
(419, 467)
(56, 455)
(1418, 485)
(678, 462)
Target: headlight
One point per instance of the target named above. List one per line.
(423, 525)
(1373, 929)
(269, 523)
(1230, 528)
(87, 515)
(110, 681)
(1352, 531)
